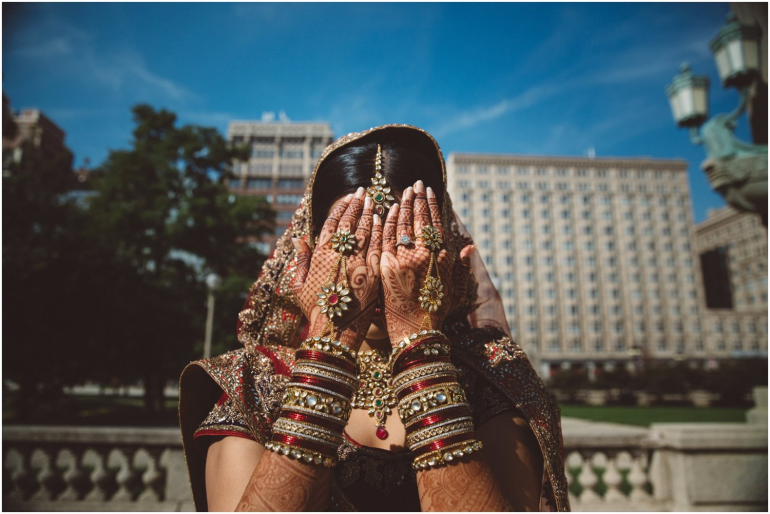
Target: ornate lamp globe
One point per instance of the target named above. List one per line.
(688, 96)
(736, 50)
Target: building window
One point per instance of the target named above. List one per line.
(259, 183)
(290, 183)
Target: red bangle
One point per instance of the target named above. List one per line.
(416, 362)
(338, 422)
(455, 412)
(312, 355)
(326, 384)
(302, 443)
(298, 416)
(419, 386)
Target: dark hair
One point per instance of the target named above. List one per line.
(405, 160)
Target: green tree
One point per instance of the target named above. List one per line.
(164, 210)
(110, 285)
(39, 243)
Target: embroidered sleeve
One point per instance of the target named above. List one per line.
(224, 420)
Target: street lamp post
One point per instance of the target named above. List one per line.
(735, 169)
(213, 281)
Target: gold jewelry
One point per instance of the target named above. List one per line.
(432, 290)
(343, 241)
(447, 454)
(335, 296)
(379, 191)
(375, 392)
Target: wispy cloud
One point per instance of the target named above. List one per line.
(471, 118)
(54, 43)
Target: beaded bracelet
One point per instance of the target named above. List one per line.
(317, 402)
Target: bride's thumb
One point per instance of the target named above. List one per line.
(303, 260)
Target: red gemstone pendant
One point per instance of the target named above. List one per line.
(382, 433)
(333, 298)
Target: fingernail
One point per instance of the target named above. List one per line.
(349, 197)
(430, 191)
(360, 192)
(376, 218)
(419, 186)
(367, 202)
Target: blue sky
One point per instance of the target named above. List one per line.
(542, 79)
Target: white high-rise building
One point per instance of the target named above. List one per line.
(594, 257)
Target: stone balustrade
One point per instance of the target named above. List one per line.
(610, 467)
(85, 469)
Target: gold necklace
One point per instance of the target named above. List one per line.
(375, 392)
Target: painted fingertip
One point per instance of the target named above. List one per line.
(360, 192)
(349, 197)
(430, 191)
(376, 219)
(367, 202)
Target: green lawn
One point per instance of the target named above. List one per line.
(644, 416)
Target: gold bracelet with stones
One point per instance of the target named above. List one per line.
(447, 454)
(330, 346)
(424, 401)
(298, 396)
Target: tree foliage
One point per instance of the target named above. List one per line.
(119, 282)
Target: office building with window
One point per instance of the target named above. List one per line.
(732, 248)
(593, 257)
(283, 154)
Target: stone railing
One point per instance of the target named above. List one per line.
(608, 467)
(94, 469)
(694, 466)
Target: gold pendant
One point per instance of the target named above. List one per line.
(374, 392)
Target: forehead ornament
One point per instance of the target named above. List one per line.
(379, 191)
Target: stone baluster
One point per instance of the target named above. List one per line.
(154, 477)
(102, 478)
(78, 482)
(128, 479)
(49, 477)
(613, 479)
(637, 477)
(588, 480)
(23, 477)
(572, 460)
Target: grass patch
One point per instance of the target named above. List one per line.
(644, 416)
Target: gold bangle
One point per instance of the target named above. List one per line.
(445, 455)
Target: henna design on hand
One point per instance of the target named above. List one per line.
(280, 484)
(354, 213)
(404, 268)
(462, 486)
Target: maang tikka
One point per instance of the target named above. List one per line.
(379, 191)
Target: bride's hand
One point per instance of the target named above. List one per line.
(316, 269)
(404, 267)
